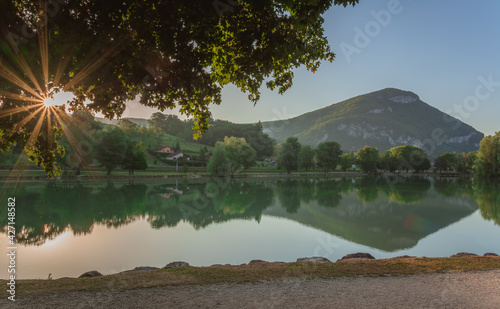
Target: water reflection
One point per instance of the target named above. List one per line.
(386, 213)
(488, 197)
(204, 204)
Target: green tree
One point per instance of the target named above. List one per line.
(388, 161)
(346, 161)
(202, 155)
(146, 135)
(112, 149)
(488, 157)
(445, 162)
(185, 168)
(177, 146)
(253, 134)
(79, 141)
(367, 157)
(130, 128)
(239, 153)
(127, 125)
(328, 156)
(170, 53)
(135, 157)
(465, 162)
(217, 165)
(156, 134)
(158, 120)
(174, 125)
(410, 158)
(289, 154)
(170, 124)
(306, 158)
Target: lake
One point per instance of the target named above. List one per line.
(66, 228)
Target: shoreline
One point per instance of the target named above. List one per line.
(257, 272)
(239, 176)
(471, 289)
(353, 257)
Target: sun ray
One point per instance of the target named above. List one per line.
(23, 122)
(43, 42)
(18, 97)
(16, 110)
(22, 159)
(9, 75)
(19, 73)
(23, 64)
(20, 162)
(71, 139)
(97, 62)
(63, 119)
(67, 119)
(49, 124)
(63, 63)
(36, 130)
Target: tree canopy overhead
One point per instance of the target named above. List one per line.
(169, 53)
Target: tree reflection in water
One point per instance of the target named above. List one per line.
(365, 207)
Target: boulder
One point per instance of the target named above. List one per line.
(177, 264)
(145, 268)
(402, 257)
(89, 274)
(314, 259)
(490, 254)
(358, 255)
(256, 261)
(140, 268)
(463, 254)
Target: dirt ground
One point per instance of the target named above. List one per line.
(478, 289)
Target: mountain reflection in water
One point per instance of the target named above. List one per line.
(387, 213)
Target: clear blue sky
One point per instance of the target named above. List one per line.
(447, 52)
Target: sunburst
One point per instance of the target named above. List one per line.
(36, 98)
(58, 99)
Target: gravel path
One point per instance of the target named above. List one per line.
(448, 290)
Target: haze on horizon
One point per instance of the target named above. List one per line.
(445, 53)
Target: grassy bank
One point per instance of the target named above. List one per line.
(256, 272)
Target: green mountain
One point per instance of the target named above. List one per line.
(383, 119)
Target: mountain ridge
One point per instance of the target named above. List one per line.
(383, 119)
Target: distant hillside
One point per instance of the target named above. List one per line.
(138, 121)
(383, 119)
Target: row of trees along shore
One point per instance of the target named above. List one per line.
(86, 140)
(327, 156)
(125, 146)
(121, 146)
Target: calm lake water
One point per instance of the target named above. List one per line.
(67, 228)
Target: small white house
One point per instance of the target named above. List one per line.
(178, 155)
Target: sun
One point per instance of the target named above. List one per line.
(48, 102)
(58, 99)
